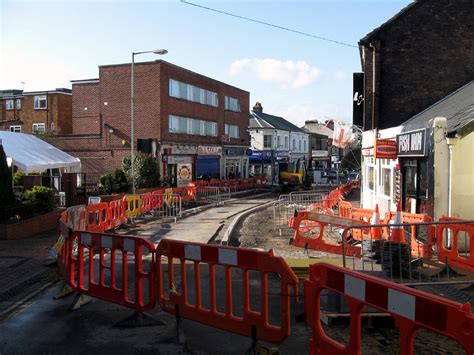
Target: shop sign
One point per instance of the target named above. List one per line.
(209, 150)
(184, 174)
(412, 144)
(180, 148)
(249, 152)
(235, 151)
(368, 152)
(385, 149)
(180, 159)
(282, 154)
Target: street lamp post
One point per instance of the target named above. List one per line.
(132, 102)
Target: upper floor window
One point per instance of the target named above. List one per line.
(9, 105)
(267, 141)
(278, 142)
(299, 145)
(39, 127)
(15, 129)
(18, 104)
(40, 102)
(304, 146)
(192, 93)
(294, 144)
(191, 126)
(232, 130)
(232, 104)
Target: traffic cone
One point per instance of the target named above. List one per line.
(376, 231)
(398, 234)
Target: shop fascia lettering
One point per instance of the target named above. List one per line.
(209, 150)
(412, 144)
(183, 149)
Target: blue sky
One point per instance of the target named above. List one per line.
(46, 44)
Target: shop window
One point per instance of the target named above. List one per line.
(387, 181)
(267, 141)
(370, 178)
(423, 178)
(410, 178)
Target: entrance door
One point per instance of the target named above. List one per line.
(172, 174)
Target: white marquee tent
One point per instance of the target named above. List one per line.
(31, 154)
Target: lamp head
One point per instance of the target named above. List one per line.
(160, 51)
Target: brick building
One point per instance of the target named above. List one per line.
(36, 112)
(419, 56)
(194, 124)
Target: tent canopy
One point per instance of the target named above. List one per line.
(31, 154)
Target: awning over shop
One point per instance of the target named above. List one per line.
(31, 154)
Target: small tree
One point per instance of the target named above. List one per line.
(7, 197)
(145, 170)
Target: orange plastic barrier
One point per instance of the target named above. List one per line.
(451, 255)
(412, 310)
(63, 246)
(345, 209)
(85, 276)
(312, 220)
(97, 217)
(418, 249)
(251, 322)
(117, 213)
(365, 215)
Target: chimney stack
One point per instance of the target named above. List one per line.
(258, 107)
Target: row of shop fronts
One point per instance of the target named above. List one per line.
(421, 166)
(269, 163)
(184, 163)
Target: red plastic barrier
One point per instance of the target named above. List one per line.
(62, 246)
(230, 258)
(158, 200)
(97, 217)
(463, 261)
(364, 215)
(117, 213)
(312, 220)
(85, 276)
(412, 310)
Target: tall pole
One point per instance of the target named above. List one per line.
(132, 135)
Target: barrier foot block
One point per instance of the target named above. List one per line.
(139, 319)
(265, 350)
(65, 291)
(80, 300)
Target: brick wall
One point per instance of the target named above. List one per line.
(423, 55)
(86, 108)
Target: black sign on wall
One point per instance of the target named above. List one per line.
(358, 99)
(412, 144)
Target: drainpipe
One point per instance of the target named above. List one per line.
(373, 84)
(450, 142)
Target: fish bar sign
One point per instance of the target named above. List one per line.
(412, 144)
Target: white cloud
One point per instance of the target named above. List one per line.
(340, 75)
(290, 74)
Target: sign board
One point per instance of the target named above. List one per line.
(249, 152)
(385, 149)
(184, 174)
(234, 151)
(93, 200)
(209, 150)
(412, 144)
(179, 149)
(368, 152)
(180, 159)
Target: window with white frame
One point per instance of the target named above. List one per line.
(9, 105)
(15, 129)
(191, 126)
(299, 145)
(267, 141)
(192, 93)
(40, 102)
(278, 142)
(39, 127)
(232, 130)
(294, 144)
(286, 142)
(387, 181)
(18, 104)
(304, 145)
(232, 104)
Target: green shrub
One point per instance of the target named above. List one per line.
(18, 178)
(112, 183)
(43, 196)
(145, 171)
